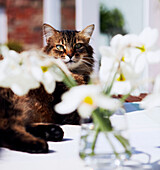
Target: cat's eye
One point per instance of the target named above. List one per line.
(77, 46)
(60, 47)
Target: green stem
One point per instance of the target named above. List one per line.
(124, 97)
(124, 142)
(95, 140)
(107, 89)
(113, 148)
(105, 126)
(68, 79)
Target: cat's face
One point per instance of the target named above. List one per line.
(71, 46)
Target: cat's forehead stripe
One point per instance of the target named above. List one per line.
(69, 36)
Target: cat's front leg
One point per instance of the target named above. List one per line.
(16, 138)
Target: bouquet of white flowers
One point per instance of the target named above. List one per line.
(27, 70)
(122, 69)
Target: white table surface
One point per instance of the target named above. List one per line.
(144, 138)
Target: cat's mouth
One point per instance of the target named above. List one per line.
(70, 61)
(72, 64)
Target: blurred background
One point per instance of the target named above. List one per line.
(21, 20)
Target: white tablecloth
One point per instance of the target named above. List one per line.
(144, 139)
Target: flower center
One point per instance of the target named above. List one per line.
(44, 69)
(88, 100)
(142, 48)
(121, 77)
(123, 59)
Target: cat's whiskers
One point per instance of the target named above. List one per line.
(87, 62)
(88, 58)
(88, 67)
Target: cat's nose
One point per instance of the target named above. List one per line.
(70, 55)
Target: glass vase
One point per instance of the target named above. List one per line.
(105, 149)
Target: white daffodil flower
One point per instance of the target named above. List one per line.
(128, 57)
(148, 37)
(147, 46)
(122, 70)
(109, 65)
(44, 69)
(116, 58)
(14, 76)
(85, 98)
(25, 71)
(120, 42)
(107, 69)
(144, 43)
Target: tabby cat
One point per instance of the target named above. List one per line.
(27, 122)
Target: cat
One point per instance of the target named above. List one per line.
(27, 122)
(74, 49)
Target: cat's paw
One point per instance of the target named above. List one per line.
(54, 133)
(46, 131)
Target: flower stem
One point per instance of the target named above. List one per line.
(69, 81)
(125, 143)
(67, 78)
(113, 148)
(124, 97)
(95, 140)
(107, 90)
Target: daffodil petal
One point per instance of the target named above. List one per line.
(149, 37)
(108, 103)
(151, 101)
(85, 110)
(65, 107)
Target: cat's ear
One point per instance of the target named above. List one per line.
(87, 32)
(48, 31)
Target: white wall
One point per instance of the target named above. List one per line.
(154, 22)
(52, 14)
(154, 17)
(87, 12)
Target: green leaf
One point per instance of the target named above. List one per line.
(105, 112)
(104, 123)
